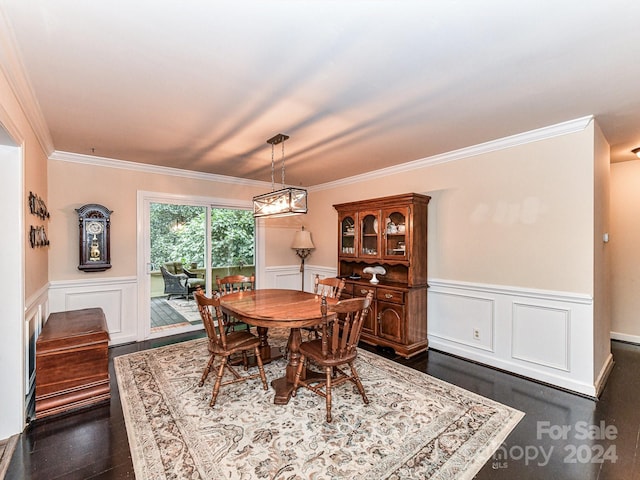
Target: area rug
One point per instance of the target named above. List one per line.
(415, 426)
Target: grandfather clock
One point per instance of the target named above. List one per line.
(94, 222)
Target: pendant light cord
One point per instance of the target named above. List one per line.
(283, 164)
(273, 185)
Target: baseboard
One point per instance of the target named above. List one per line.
(604, 375)
(623, 337)
(562, 382)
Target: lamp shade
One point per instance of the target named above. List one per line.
(302, 240)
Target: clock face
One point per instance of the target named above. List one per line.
(95, 228)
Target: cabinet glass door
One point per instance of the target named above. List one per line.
(348, 245)
(395, 235)
(369, 234)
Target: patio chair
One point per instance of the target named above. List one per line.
(179, 284)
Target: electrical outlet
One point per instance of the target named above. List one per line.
(476, 334)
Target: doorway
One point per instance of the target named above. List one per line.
(186, 243)
(15, 375)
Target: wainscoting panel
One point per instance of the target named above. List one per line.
(289, 276)
(312, 270)
(543, 335)
(462, 318)
(282, 277)
(109, 300)
(116, 296)
(36, 312)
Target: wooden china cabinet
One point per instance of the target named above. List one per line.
(390, 232)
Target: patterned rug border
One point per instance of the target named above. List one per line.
(145, 449)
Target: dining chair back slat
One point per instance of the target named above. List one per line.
(328, 287)
(233, 284)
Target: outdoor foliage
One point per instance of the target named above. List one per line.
(177, 234)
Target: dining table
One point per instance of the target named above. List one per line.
(279, 308)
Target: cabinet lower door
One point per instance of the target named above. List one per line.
(390, 321)
(369, 325)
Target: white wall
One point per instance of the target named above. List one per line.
(12, 327)
(511, 244)
(625, 252)
(511, 250)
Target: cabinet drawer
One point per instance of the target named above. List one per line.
(347, 291)
(390, 295)
(361, 291)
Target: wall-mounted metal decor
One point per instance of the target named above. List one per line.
(37, 206)
(94, 222)
(38, 234)
(38, 237)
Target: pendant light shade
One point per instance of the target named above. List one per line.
(281, 203)
(284, 202)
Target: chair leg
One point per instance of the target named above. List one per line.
(329, 372)
(358, 383)
(245, 360)
(216, 387)
(261, 368)
(296, 381)
(205, 374)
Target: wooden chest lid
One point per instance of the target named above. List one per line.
(85, 326)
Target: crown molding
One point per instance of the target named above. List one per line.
(15, 73)
(556, 130)
(95, 161)
(563, 128)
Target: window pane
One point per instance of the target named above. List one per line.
(177, 234)
(232, 239)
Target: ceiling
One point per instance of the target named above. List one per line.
(357, 85)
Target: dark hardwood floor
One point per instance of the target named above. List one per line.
(562, 436)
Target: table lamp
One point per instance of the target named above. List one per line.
(303, 245)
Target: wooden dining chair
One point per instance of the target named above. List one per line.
(336, 348)
(223, 345)
(325, 287)
(233, 284)
(328, 287)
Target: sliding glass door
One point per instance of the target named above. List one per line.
(232, 242)
(177, 235)
(187, 243)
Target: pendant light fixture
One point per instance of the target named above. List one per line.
(284, 202)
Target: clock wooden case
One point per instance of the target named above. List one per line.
(94, 223)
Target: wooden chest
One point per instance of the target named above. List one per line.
(72, 362)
